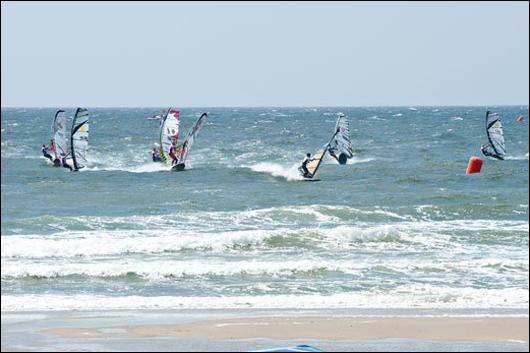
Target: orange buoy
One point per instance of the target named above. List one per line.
(474, 165)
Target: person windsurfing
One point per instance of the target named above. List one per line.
(306, 160)
(62, 158)
(173, 153)
(487, 150)
(45, 152)
(155, 154)
(314, 162)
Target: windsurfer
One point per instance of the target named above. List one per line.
(306, 160)
(173, 153)
(155, 154)
(63, 162)
(488, 151)
(45, 152)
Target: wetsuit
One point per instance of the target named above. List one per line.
(66, 165)
(172, 155)
(304, 166)
(46, 154)
(156, 156)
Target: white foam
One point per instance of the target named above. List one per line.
(278, 170)
(332, 226)
(517, 158)
(98, 244)
(111, 253)
(169, 269)
(407, 296)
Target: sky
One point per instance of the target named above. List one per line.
(203, 54)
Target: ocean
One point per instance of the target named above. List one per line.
(401, 226)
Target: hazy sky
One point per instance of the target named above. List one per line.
(263, 54)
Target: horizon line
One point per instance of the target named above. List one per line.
(276, 106)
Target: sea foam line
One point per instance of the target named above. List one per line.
(405, 297)
(395, 236)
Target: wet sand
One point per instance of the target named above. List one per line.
(317, 327)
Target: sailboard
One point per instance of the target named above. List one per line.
(79, 139)
(496, 147)
(340, 147)
(59, 140)
(169, 133)
(188, 142)
(313, 165)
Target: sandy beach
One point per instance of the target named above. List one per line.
(334, 328)
(242, 330)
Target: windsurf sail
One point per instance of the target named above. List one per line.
(315, 161)
(59, 141)
(496, 147)
(79, 139)
(340, 147)
(192, 133)
(169, 133)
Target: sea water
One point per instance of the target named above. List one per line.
(400, 226)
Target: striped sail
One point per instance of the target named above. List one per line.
(79, 139)
(496, 147)
(340, 147)
(190, 138)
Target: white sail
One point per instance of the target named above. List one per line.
(79, 139)
(59, 140)
(190, 138)
(340, 147)
(496, 147)
(169, 132)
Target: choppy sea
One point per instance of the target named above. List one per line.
(400, 226)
